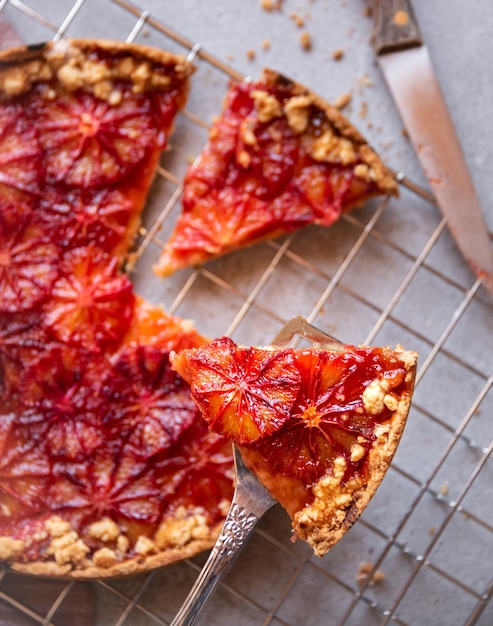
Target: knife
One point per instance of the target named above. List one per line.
(408, 71)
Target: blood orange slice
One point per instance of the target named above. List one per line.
(324, 457)
(149, 405)
(89, 142)
(91, 302)
(79, 218)
(24, 474)
(20, 155)
(200, 473)
(28, 267)
(243, 393)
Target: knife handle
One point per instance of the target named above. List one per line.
(395, 26)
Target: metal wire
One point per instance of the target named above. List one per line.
(361, 597)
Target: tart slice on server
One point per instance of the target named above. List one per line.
(318, 426)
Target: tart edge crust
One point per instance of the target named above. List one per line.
(23, 67)
(384, 178)
(323, 538)
(134, 565)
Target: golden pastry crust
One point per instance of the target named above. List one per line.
(135, 565)
(71, 63)
(336, 506)
(376, 170)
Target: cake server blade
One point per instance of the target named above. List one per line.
(406, 65)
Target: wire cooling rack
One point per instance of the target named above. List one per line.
(387, 273)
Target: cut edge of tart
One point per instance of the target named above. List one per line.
(278, 158)
(323, 454)
(106, 466)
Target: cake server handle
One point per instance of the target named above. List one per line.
(250, 501)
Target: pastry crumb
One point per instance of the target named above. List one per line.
(363, 112)
(266, 44)
(104, 529)
(297, 19)
(365, 81)
(342, 101)
(373, 396)
(145, 546)
(104, 557)
(10, 548)
(365, 571)
(271, 5)
(306, 40)
(338, 54)
(250, 54)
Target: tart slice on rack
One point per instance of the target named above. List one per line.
(106, 466)
(317, 425)
(278, 158)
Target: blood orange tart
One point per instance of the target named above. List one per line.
(106, 466)
(278, 158)
(318, 426)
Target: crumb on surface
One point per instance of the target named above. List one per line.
(364, 81)
(343, 100)
(365, 571)
(184, 527)
(297, 19)
(271, 5)
(250, 54)
(306, 40)
(373, 397)
(338, 54)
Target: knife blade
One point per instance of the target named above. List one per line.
(407, 67)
